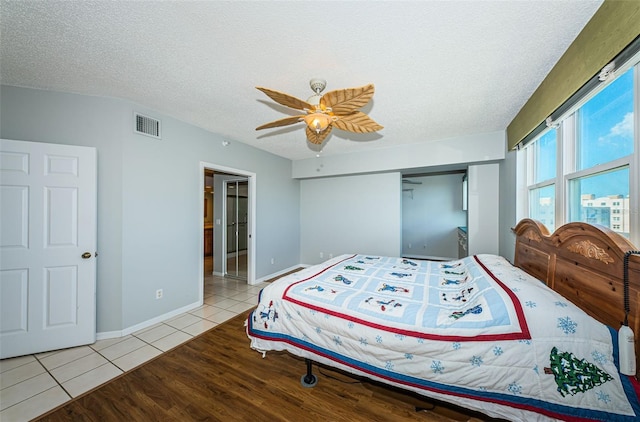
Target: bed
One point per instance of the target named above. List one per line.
(536, 340)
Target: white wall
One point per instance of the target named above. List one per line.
(41, 116)
(350, 214)
(149, 198)
(435, 156)
(483, 215)
(431, 214)
(508, 210)
(475, 148)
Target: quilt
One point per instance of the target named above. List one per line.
(477, 332)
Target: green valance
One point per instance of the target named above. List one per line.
(613, 27)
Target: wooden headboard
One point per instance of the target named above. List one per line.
(584, 263)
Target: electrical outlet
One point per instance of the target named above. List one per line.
(273, 261)
(409, 245)
(330, 255)
(321, 254)
(159, 294)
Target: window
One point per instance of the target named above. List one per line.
(542, 203)
(545, 157)
(583, 170)
(542, 195)
(605, 124)
(601, 185)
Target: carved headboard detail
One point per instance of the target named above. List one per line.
(588, 249)
(532, 235)
(584, 263)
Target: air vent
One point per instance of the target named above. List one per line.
(146, 125)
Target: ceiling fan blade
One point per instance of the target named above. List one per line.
(317, 138)
(286, 99)
(281, 122)
(357, 122)
(345, 101)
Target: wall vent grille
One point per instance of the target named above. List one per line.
(146, 125)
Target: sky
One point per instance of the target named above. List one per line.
(606, 124)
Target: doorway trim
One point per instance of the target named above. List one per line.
(251, 244)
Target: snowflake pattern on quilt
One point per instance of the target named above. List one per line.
(567, 325)
(436, 367)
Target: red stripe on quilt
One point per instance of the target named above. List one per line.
(522, 335)
(516, 303)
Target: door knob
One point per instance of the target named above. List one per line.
(86, 255)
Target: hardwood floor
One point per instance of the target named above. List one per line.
(217, 377)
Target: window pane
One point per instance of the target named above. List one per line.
(544, 151)
(542, 206)
(605, 124)
(602, 199)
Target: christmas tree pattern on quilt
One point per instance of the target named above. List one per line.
(573, 375)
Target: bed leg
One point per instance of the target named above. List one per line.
(308, 380)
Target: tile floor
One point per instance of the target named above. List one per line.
(34, 384)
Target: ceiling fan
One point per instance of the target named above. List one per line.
(337, 108)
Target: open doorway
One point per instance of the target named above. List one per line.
(228, 200)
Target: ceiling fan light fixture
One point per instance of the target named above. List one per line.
(322, 111)
(318, 122)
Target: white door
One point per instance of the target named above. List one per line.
(47, 247)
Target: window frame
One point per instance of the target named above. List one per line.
(566, 173)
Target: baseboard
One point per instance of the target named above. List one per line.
(108, 334)
(114, 334)
(141, 326)
(279, 273)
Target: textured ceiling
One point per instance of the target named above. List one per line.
(441, 69)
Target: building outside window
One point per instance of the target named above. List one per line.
(586, 167)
